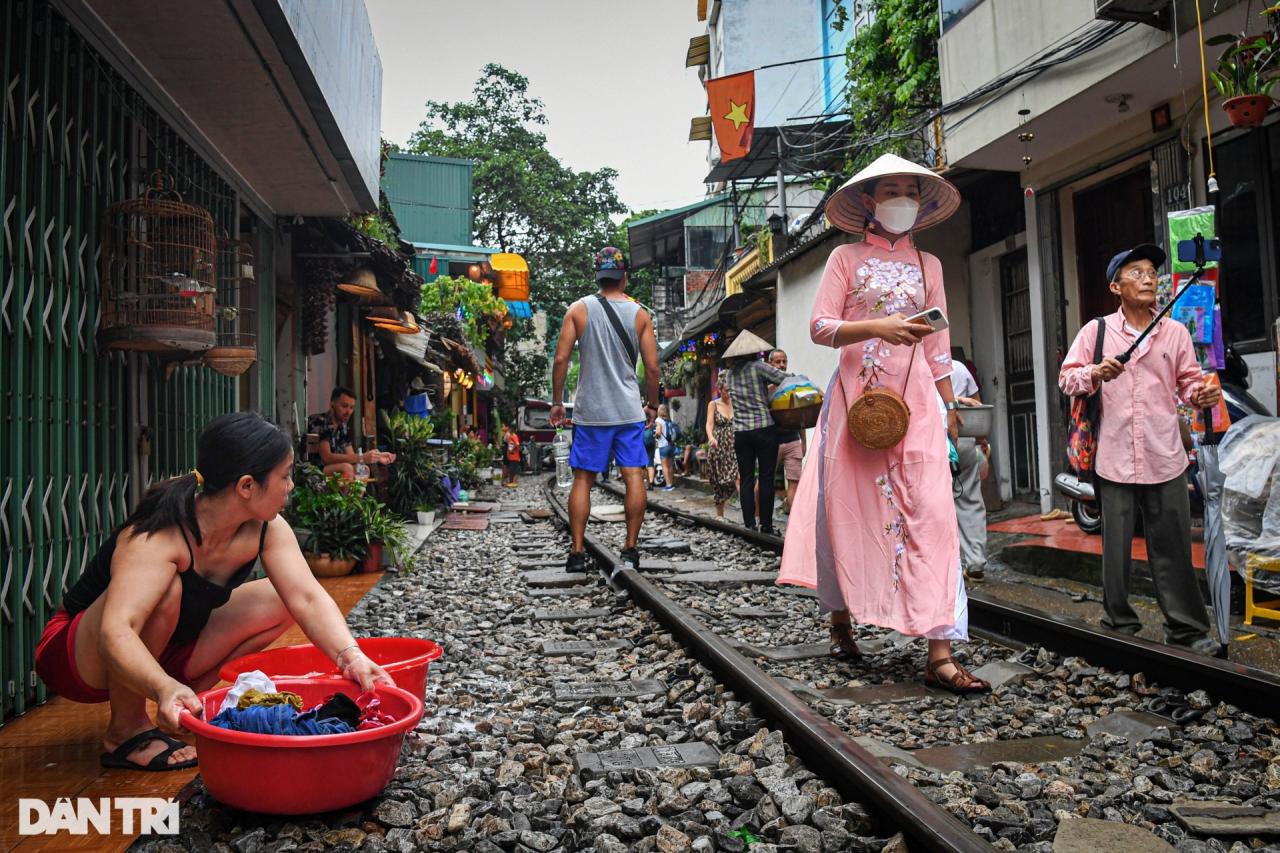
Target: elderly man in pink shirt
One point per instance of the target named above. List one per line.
(1141, 464)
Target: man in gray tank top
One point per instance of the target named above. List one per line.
(612, 332)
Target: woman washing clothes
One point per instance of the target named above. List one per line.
(166, 600)
(871, 529)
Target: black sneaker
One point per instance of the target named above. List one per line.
(771, 531)
(578, 562)
(631, 556)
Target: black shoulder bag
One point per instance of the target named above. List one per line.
(616, 322)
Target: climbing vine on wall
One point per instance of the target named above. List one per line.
(893, 77)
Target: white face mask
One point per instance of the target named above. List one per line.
(897, 215)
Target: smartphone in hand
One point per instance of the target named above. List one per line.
(931, 316)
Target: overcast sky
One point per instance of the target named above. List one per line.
(611, 74)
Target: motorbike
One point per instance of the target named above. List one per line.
(1240, 404)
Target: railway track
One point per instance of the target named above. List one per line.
(1083, 723)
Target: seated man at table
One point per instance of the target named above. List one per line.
(332, 428)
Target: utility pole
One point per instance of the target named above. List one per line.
(782, 186)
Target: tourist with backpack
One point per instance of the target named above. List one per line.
(1126, 435)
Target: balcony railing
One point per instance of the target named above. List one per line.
(748, 265)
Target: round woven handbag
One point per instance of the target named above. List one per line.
(878, 419)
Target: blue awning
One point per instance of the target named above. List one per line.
(519, 310)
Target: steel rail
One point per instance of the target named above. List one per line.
(1249, 688)
(823, 746)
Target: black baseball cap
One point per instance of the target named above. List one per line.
(611, 264)
(1140, 252)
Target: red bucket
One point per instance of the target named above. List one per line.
(405, 659)
(282, 774)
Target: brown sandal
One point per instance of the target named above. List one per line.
(843, 646)
(961, 682)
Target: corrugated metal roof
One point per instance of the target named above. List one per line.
(431, 197)
(676, 211)
(452, 249)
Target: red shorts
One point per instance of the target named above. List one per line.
(56, 660)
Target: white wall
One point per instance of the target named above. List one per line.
(337, 40)
(1002, 34)
(797, 289)
(761, 32)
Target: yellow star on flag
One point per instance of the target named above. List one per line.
(737, 114)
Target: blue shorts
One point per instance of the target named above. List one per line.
(593, 445)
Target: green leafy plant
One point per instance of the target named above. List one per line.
(473, 300)
(467, 457)
(1250, 66)
(382, 527)
(893, 77)
(764, 242)
(415, 479)
(334, 516)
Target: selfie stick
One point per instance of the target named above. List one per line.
(1124, 357)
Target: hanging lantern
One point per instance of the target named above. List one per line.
(360, 281)
(473, 272)
(512, 273)
(402, 323)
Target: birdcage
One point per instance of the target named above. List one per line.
(157, 273)
(237, 339)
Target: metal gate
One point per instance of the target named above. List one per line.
(73, 139)
(1020, 386)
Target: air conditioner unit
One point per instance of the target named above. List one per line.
(1142, 11)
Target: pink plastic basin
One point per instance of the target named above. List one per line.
(405, 659)
(281, 774)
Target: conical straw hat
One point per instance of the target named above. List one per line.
(747, 343)
(938, 197)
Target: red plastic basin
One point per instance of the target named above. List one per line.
(405, 659)
(280, 774)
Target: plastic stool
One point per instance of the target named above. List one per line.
(1266, 609)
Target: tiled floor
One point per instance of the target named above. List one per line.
(1065, 536)
(52, 751)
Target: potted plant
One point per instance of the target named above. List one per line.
(1248, 71)
(333, 518)
(426, 513)
(385, 535)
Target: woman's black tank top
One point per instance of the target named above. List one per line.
(200, 597)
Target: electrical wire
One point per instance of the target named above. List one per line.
(1204, 85)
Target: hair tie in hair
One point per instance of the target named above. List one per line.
(199, 478)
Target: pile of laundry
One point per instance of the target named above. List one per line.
(253, 704)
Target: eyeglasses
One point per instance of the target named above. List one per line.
(1139, 275)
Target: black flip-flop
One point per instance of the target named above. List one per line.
(118, 759)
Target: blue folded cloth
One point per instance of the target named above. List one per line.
(278, 720)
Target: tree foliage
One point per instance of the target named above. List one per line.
(894, 77)
(526, 200)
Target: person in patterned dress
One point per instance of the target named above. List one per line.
(871, 530)
(722, 465)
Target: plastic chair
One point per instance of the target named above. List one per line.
(1266, 609)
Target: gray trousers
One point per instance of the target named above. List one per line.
(971, 512)
(1166, 519)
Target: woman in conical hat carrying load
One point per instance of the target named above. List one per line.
(872, 528)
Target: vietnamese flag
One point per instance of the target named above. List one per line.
(733, 110)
